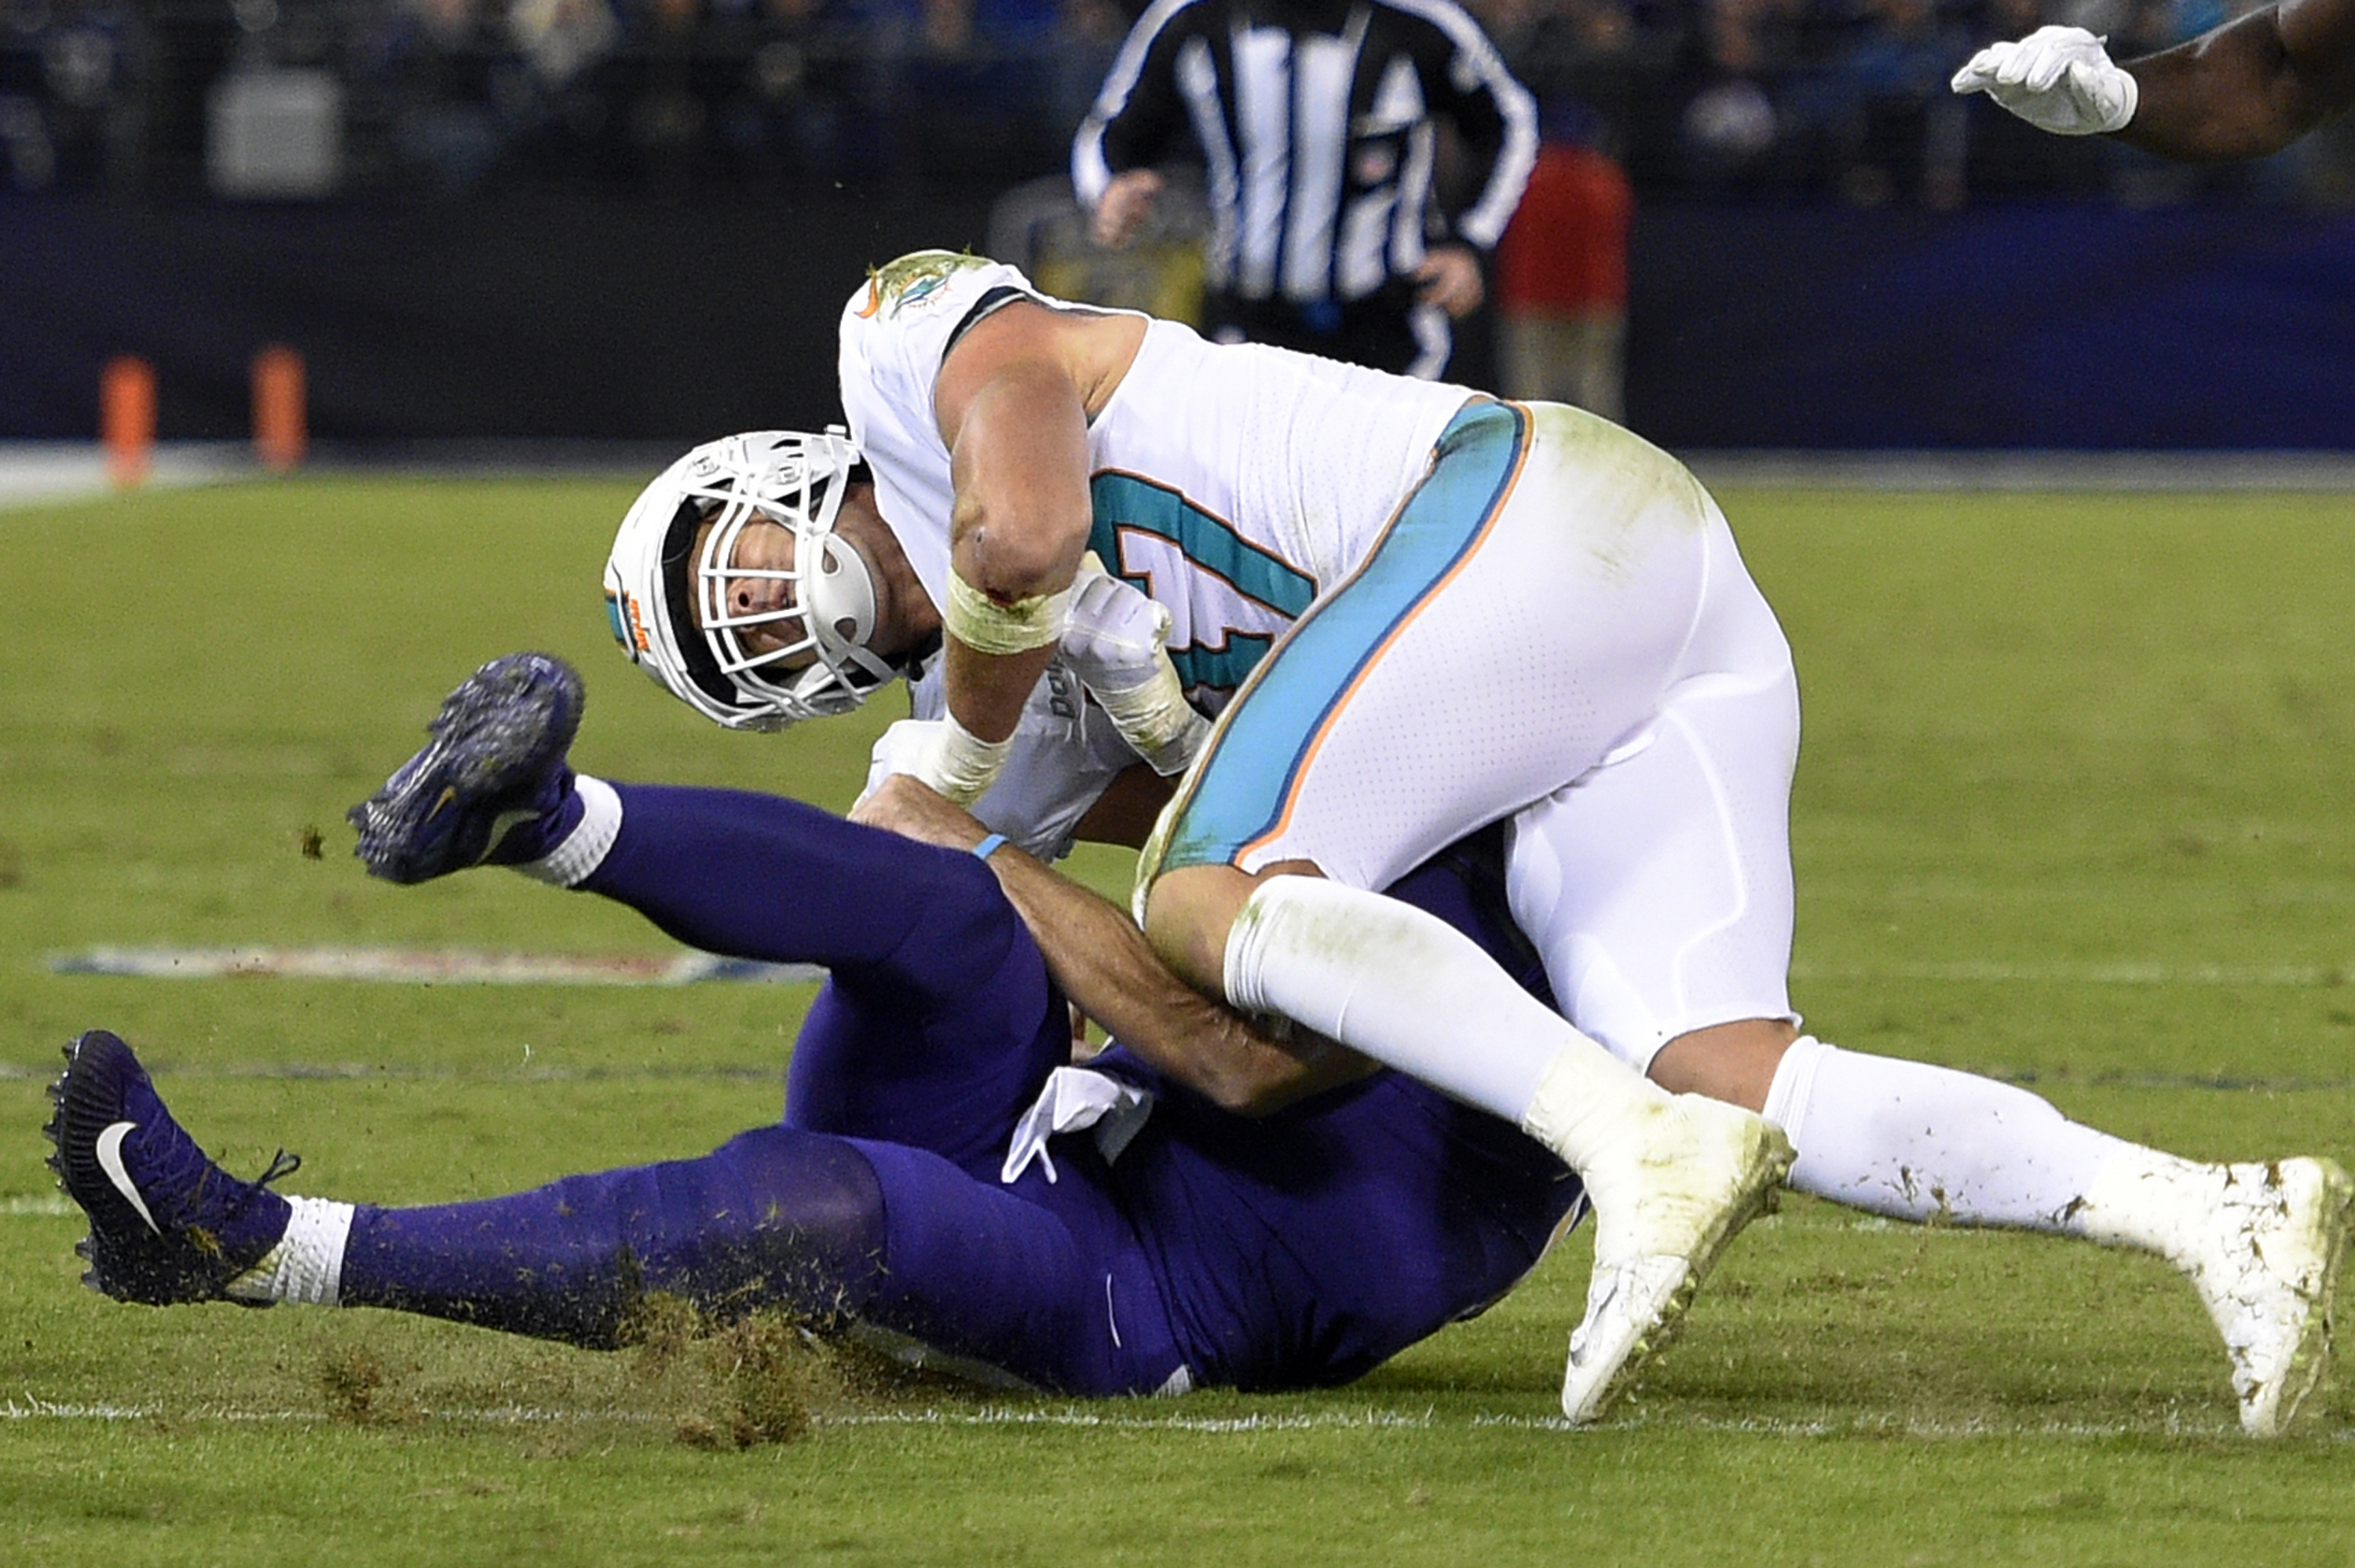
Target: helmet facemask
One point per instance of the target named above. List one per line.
(821, 661)
(704, 502)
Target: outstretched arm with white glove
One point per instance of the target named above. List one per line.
(2241, 91)
(2057, 78)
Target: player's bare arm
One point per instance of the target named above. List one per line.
(1100, 960)
(2251, 87)
(1013, 400)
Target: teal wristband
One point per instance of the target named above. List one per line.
(989, 846)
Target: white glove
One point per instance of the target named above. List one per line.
(900, 749)
(938, 752)
(1115, 643)
(2057, 78)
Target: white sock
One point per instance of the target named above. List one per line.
(1410, 991)
(584, 848)
(307, 1264)
(1917, 1142)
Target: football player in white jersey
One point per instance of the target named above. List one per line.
(1417, 610)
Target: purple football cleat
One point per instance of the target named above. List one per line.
(166, 1224)
(496, 760)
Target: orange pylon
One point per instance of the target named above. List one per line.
(281, 424)
(126, 418)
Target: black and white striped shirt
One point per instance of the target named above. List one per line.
(1316, 121)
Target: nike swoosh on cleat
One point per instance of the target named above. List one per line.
(449, 794)
(110, 1160)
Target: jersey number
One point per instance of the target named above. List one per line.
(1125, 504)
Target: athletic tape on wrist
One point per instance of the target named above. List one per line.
(989, 846)
(1154, 718)
(986, 626)
(964, 765)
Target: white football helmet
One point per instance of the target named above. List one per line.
(653, 588)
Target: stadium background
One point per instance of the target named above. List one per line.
(634, 220)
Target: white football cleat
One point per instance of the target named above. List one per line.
(2268, 1272)
(1699, 1172)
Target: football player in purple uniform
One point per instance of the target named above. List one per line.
(944, 1173)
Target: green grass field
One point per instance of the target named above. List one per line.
(2073, 809)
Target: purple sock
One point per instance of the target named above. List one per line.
(775, 1217)
(557, 808)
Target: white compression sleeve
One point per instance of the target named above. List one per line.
(1917, 1142)
(1413, 993)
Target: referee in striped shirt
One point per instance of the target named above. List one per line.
(1318, 124)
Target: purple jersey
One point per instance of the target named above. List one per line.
(1298, 1249)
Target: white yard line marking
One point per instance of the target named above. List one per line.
(426, 965)
(464, 967)
(46, 473)
(355, 1072)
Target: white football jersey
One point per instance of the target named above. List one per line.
(1233, 483)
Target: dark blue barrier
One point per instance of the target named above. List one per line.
(2062, 327)
(520, 317)
(2050, 326)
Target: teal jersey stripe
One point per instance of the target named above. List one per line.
(1242, 789)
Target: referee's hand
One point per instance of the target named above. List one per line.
(1127, 202)
(1450, 279)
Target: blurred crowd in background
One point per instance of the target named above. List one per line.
(1837, 99)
